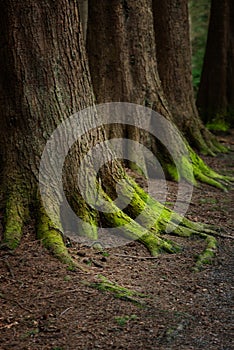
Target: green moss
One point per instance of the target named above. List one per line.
(205, 174)
(178, 226)
(51, 236)
(157, 245)
(172, 171)
(14, 219)
(218, 124)
(206, 257)
(123, 320)
(87, 215)
(186, 169)
(120, 292)
(183, 171)
(90, 231)
(117, 218)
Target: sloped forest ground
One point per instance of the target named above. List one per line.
(45, 306)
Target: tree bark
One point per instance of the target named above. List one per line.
(122, 58)
(42, 54)
(84, 8)
(121, 53)
(215, 99)
(171, 23)
(125, 68)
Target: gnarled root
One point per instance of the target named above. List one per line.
(50, 235)
(201, 172)
(143, 219)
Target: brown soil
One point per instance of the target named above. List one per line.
(45, 306)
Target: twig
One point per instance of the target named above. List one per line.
(21, 306)
(64, 293)
(9, 268)
(15, 301)
(136, 257)
(223, 236)
(62, 313)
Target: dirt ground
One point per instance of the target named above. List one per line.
(45, 306)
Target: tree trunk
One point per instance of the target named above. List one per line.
(121, 54)
(122, 59)
(215, 99)
(199, 13)
(171, 23)
(42, 54)
(84, 8)
(44, 79)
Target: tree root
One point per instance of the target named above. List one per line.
(205, 174)
(143, 219)
(50, 235)
(167, 221)
(200, 170)
(208, 253)
(209, 145)
(87, 215)
(103, 284)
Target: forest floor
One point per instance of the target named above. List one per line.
(45, 306)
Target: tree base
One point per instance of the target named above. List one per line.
(153, 218)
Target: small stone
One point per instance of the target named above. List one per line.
(81, 253)
(103, 259)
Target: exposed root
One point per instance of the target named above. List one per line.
(143, 219)
(212, 147)
(197, 170)
(48, 232)
(157, 245)
(170, 222)
(205, 174)
(87, 215)
(204, 141)
(208, 253)
(119, 292)
(51, 237)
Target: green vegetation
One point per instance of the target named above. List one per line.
(208, 200)
(120, 292)
(123, 320)
(30, 333)
(208, 253)
(199, 18)
(105, 254)
(218, 125)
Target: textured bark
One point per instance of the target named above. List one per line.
(215, 98)
(83, 8)
(175, 70)
(39, 81)
(122, 58)
(121, 51)
(44, 79)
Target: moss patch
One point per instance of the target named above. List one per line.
(121, 292)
